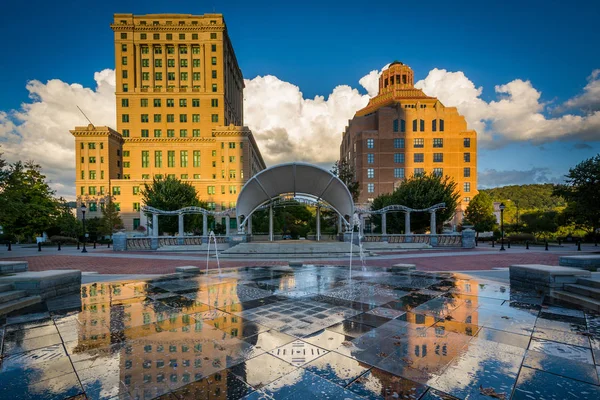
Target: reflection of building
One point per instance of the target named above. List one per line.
(179, 94)
(164, 347)
(402, 132)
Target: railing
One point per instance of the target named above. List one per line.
(144, 243)
(449, 240)
(445, 240)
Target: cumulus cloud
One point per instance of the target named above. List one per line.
(516, 115)
(39, 130)
(490, 178)
(289, 127)
(589, 100)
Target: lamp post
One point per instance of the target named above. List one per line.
(502, 207)
(83, 209)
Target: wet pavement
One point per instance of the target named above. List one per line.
(310, 332)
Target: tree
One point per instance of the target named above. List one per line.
(345, 172)
(111, 219)
(66, 224)
(170, 194)
(582, 193)
(540, 223)
(26, 200)
(480, 212)
(419, 192)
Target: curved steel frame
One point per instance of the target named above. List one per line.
(397, 207)
(189, 210)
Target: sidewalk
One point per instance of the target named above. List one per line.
(105, 261)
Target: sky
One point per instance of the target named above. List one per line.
(525, 74)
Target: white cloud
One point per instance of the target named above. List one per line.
(589, 100)
(289, 126)
(39, 131)
(517, 114)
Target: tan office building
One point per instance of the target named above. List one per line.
(179, 93)
(402, 132)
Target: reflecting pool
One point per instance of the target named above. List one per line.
(307, 332)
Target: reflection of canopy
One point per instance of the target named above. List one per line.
(294, 179)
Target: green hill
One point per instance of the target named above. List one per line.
(528, 197)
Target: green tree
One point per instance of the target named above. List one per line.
(170, 194)
(111, 219)
(480, 212)
(66, 224)
(345, 172)
(27, 203)
(582, 193)
(541, 223)
(419, 192)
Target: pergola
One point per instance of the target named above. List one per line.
(188, 210)
(399, 208)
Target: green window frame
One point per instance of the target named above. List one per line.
(183, 158)
(145, 159)
(196, 158)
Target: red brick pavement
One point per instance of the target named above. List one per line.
(113, 265)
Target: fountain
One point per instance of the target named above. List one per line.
(212, 236)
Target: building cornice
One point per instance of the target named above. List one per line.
(167, 28)
(170, 140)
(96, 131)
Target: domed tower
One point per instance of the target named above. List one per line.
(397, 76)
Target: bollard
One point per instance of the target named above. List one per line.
(493, 243)
(527, 245)
(40, 246)
(9, 246)
(58, 246)
(509, 244)
(546, 246)
(559, 242)
(108, 244)
(579, 245)
(475, 242)
(94, 244)
(78, 245)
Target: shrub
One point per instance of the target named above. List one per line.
(63, 239)
(521, 237)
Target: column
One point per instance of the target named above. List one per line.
(249, 225)
(204, 225)
(384, 224)
(227, 224)
(180, 224)
(407, 223)
(271, 223)
(432, 227)
(340, 226)
(318, 224)
(155, 225)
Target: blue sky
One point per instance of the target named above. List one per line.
(318, 45)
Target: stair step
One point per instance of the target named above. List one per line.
(5, 297)
(5, 287)
(583, 290)
(589, 282)
(577, 299)
(23, 302)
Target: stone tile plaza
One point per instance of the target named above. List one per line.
(202, 257)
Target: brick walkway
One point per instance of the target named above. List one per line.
(127, 265)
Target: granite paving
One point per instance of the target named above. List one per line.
(309, 332)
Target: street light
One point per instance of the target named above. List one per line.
(502, 207)
(83, 209)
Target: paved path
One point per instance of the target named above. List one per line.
(105, 261)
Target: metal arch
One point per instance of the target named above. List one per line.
(189, 210)
(281, 200)
(398, 207)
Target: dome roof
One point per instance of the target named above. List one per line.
(396, 62)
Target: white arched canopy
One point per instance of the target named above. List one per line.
(293, 179)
